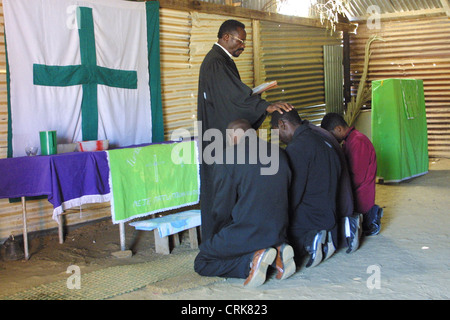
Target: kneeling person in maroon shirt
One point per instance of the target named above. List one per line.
(362, 164)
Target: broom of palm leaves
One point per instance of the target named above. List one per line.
(364, 90)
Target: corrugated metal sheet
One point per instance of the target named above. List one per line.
(185, 39)
(359, 8)
(416, 48)
(334, 78)
(293, 55)
(262, 5)
(178, 85)
(204, 35)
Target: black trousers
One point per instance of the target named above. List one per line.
(214, 266)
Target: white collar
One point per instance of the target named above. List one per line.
(226, 51)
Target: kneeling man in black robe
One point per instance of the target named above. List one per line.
(316, 170)
(250, 209)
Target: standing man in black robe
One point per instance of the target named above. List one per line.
(223, 98)
(316, 171)
(251, 212)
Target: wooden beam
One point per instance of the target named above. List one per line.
(446, 7)
(239, 12)
(257, 71)
(346, 65)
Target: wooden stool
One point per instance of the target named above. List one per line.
(171, 225)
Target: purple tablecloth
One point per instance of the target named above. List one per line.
(68, 180)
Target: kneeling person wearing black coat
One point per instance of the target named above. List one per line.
(250, 211)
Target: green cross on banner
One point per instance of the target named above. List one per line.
(88, 74)
(89, 70)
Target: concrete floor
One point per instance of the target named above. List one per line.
(409, 259)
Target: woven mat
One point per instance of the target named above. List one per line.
(167, 274)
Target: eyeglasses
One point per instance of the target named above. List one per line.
(236, 38)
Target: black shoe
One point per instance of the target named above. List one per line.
(353, 231)
(375, 227)
(315, 250)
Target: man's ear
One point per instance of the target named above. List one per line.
(340, 129)
(281, 124)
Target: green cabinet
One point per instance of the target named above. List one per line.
(399, 128)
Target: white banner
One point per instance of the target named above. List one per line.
(80, 68)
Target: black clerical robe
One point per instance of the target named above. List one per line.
(250, 210)
(315, 174)
(222, 98)
(345, 204)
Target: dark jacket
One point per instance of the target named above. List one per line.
(315, 174)
(250, 210)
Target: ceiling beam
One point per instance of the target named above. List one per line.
(239, 12)
(446, 7)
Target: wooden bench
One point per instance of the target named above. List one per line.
(171, 225)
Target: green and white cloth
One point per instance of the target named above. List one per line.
(155, 178)
(88, 69)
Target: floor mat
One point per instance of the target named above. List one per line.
(113, 281)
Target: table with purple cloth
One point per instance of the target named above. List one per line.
(68, 180)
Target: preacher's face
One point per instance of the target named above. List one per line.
(236, 42)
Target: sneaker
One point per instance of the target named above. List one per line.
(375, 227)
(284, 263)
(353, 231)
(329, 247)
(258, 267)
(315, 250)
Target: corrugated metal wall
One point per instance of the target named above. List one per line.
(204, 35)
(293, 55)
(415, 48)
(334, 78)
(185, 40)
(178, 85)
(358, 8)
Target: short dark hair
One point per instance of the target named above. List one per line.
(332, 120)
(229, 26)
(291, 116)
